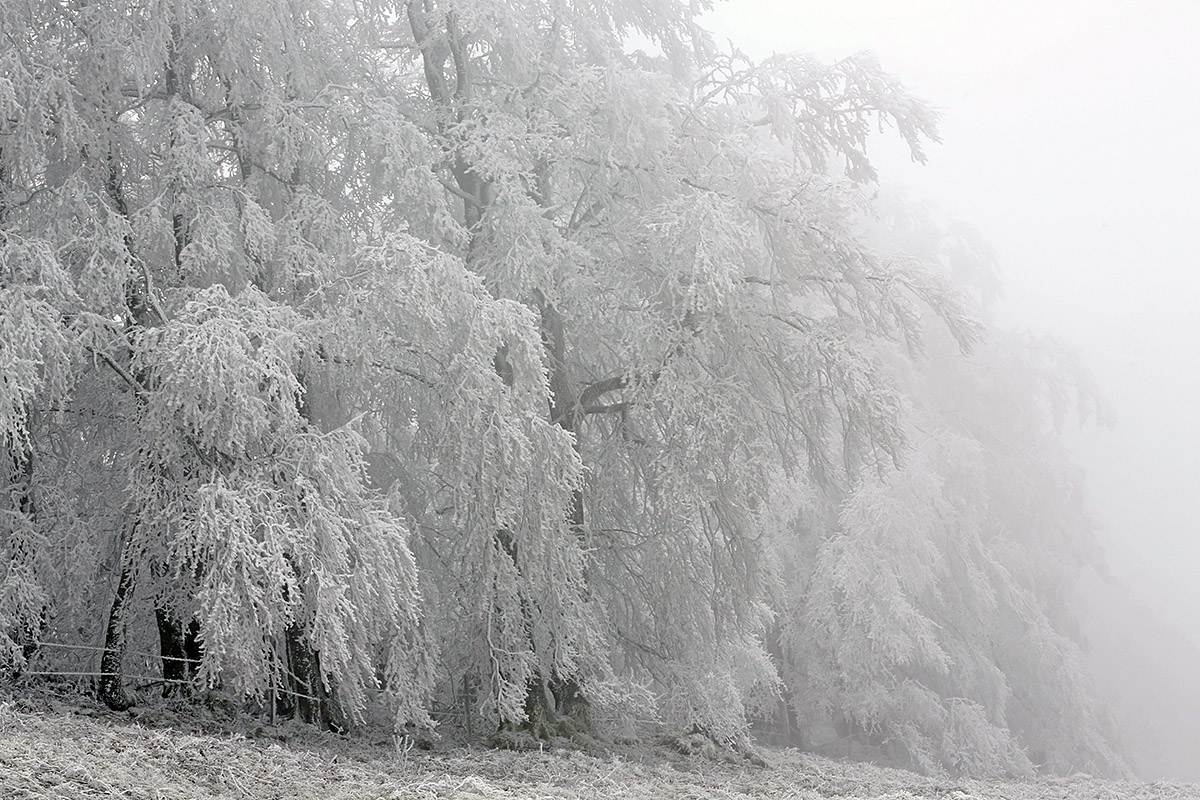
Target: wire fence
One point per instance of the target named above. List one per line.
(453, 707)
(277, 687)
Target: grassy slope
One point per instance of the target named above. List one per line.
(51, 751)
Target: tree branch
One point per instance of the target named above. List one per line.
(377, 364)
(792, 322)
(461, 194)
(611, 408)
(594, 391)
(432, 55)
(138, 388)
(462, 65)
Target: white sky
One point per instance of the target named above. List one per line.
(1071, 137)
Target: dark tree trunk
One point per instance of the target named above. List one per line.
(140, 303)
(111, 690)
(20, 476)
(303, 676)
(179, 649)
(193, 648)
(312, 702)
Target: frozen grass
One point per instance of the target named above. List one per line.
(51, 750)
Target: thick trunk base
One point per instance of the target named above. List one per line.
(179, 649)
(310, 701)
(557, 709)
(111, 689)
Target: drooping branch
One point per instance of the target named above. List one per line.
(588, 399)
(375, 363)
(124, 374)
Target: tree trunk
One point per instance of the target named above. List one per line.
(302, 676)
(179, 649)
(111, 690)
(548, 697)
(32, 624)
(312, 702)
(555, 706)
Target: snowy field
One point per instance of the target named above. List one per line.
(51, 751)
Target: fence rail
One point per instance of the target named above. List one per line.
(273, 690)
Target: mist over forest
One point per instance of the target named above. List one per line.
(539, 371)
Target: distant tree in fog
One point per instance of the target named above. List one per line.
(935, 620)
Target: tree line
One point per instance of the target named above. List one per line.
(391, 355)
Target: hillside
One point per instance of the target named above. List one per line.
(48, 750)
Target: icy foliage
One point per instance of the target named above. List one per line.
(446, 356)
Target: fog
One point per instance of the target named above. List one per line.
(1069, 133)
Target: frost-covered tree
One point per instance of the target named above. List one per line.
(169, 211)
(395, 353)
(934, 618)
(684, 232)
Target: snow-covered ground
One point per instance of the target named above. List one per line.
(48, 750)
